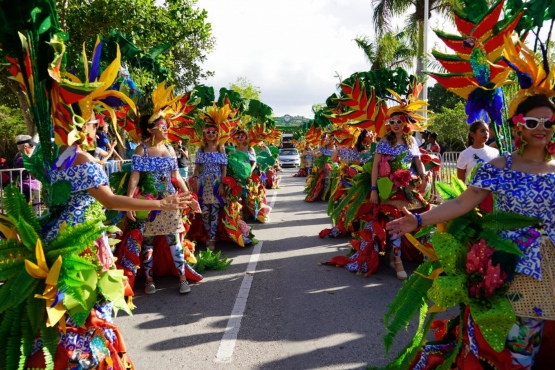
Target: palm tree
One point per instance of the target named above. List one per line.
(392, 49)
(385, 12)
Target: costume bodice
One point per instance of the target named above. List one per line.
(160, 168)
(385, 148)
(82, 177)
(526, 194)
(211, 163)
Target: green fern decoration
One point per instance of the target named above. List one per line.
(207, 260)
(35, 164)
(24, 284)
(35, 313)
(13, 342)
(27, 234)
(507, 221)
(9, 269)
(28, 337)
(499, 243)
(74, 239)
(425, 231)
(459, 185)
(17, 207)
(411, 298)
(447, 191)
(5, 300)
(50, 338)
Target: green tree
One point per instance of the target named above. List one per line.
(391, 50)
(11, 125)
(440, 98)
(451, 126)
(245, 88)
(385, 12)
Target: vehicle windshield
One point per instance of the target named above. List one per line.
(288, 152)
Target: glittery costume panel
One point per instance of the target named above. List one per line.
(82, 177)
(211, 171)
(525, 194)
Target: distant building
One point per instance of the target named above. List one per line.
(289, 123)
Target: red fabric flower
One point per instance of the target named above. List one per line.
(351, 172)
(229, 181)
(425, 158)
(494, 278)
(400, 178)
(236, 190)
(486, 277)
(384, 169)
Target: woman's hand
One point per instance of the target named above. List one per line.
(176, 201)
(374, 198)
(221, 190)
(403, 225)
(131, 215)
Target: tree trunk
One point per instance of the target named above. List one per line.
(420, 55)
(14, 86)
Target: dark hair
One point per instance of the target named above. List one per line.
(474, 126)
(358, 146)
(434, 135)
(407, 138)
(144, 125)
(535, 101)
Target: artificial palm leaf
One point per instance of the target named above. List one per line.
(5, 301)
(500, 220)
(50, 337)
(74, 239)
(17, 207)
(447, 191)
(10, 268)
(207, 260)
(499, 243)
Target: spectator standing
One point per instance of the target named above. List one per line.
(182, 155)
(29, 186)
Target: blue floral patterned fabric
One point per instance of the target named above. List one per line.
(348, 155)
(526, 194)
(252, 156)
(211, 164)
(160, 168)
(385, 149)
(82, 177)
(326, 151)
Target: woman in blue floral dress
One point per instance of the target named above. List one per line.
(158, 159)
(210, 167)
(522, 183)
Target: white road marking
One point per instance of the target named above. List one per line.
(273, 201)
(227, 344)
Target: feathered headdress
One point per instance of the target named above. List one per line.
(534, 77)
(411, 107)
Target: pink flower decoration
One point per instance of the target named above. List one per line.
(245, 229)
(351, 172)
(494, 278)
(327, 166)
(477, 258)
(551, 147)
(519, 119)
(400, 178)
(384, 169)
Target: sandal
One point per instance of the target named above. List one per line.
(401, 275)
(149, 287)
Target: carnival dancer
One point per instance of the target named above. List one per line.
(71, 282)
(158, 159)
(318, 181)
(210, 169)
(346, 156)
(397, 178)
(506, 276)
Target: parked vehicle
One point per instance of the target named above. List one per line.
(289, 157)
(286, 141)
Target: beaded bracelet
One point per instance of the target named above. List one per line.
(418, 219)
(372, 188)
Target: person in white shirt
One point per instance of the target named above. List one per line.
(477, 150)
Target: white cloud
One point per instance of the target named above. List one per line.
(291, 49)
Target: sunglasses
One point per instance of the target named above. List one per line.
(532, 123)
(163, 128)
(241, 136)
(394, 122)
(210, 132)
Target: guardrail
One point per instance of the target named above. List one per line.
(447, 172)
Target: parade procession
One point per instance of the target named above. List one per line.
(153, 216)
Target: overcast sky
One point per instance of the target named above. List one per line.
(290, 49)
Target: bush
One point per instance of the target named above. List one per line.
(451, 126)
(11, 125)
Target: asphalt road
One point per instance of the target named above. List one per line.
(273, 308)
